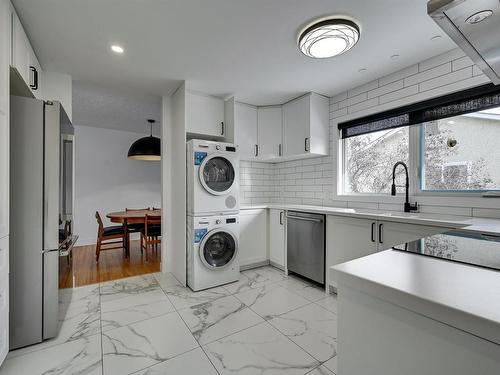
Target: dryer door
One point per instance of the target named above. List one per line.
(217, 174)
(218, 249)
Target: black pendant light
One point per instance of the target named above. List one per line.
(146, 148)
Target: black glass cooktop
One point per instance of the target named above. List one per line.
(463, 247)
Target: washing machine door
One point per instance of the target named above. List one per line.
(216, 174)
(218, 249)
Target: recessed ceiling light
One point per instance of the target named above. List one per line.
(117, 48)
(394, 57)
(436, 38)
(362, 70)
(479, 16)
(328, 37)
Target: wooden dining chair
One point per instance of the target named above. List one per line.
(136, 227)
(107, 237)
(150, 236)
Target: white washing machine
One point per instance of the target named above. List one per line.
(212, 178)
(212, 251)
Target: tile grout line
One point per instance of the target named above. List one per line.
(100, 326)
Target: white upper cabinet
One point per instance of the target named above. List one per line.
(4, 54)
(21, 49)
(35, 75)
(306, 127)
(269, 133)
(4, 116)
(24, 60)
(205, 115)
(245, 130)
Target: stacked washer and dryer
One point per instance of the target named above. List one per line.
(212, 214)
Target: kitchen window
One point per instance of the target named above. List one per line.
(368, 160)
(451, 143)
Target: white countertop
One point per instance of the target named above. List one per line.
(464, 223)
(462, 296)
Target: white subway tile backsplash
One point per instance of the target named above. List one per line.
(395, 95)
(397, 85)
(447, 79)
(361, 89)
(461, 63)
(363, 105)
(446, 57)
(486, 212)
(428, 74)
(403, 73)
(339, 97)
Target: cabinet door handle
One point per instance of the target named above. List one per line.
(373, 232)
(222, 128)
(256, 150)
(380, 227)
(306, 148)
(281, 217)
(279, 150)
(34, 85)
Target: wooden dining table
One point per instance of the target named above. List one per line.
(131, 217)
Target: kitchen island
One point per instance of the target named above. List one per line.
(401, 312)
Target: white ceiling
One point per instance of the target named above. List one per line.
(241, 47)
(103, 107)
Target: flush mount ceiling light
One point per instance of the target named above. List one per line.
(117, 49)
(146, 148)
(328, 37)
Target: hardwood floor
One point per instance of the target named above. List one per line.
(111, 266)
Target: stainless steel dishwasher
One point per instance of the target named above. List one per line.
(306, 245)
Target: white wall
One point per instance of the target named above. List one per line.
(313, 181)
(174, 184)
(105, 180)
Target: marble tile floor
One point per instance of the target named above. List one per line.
(266, 323)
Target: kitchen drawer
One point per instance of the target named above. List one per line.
(4, 256)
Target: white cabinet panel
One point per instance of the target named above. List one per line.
(306, 127)
(253, 238)
(205, 115)
(245, 130)
(391, 233)
(347, 239)
(277, 237)
(4, 175)
(296, 126)
(35, 82)
(20, 49)
(269, 132)
(5, 20)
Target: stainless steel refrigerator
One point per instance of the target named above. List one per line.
(40, 205)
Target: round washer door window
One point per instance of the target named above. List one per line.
(218, 249)
(216, 175)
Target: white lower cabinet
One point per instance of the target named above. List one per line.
(350, 238)
(253, 237)
(277, 235)
(4, 298)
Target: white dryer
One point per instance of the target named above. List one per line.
(212, 251)
(212, 178)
